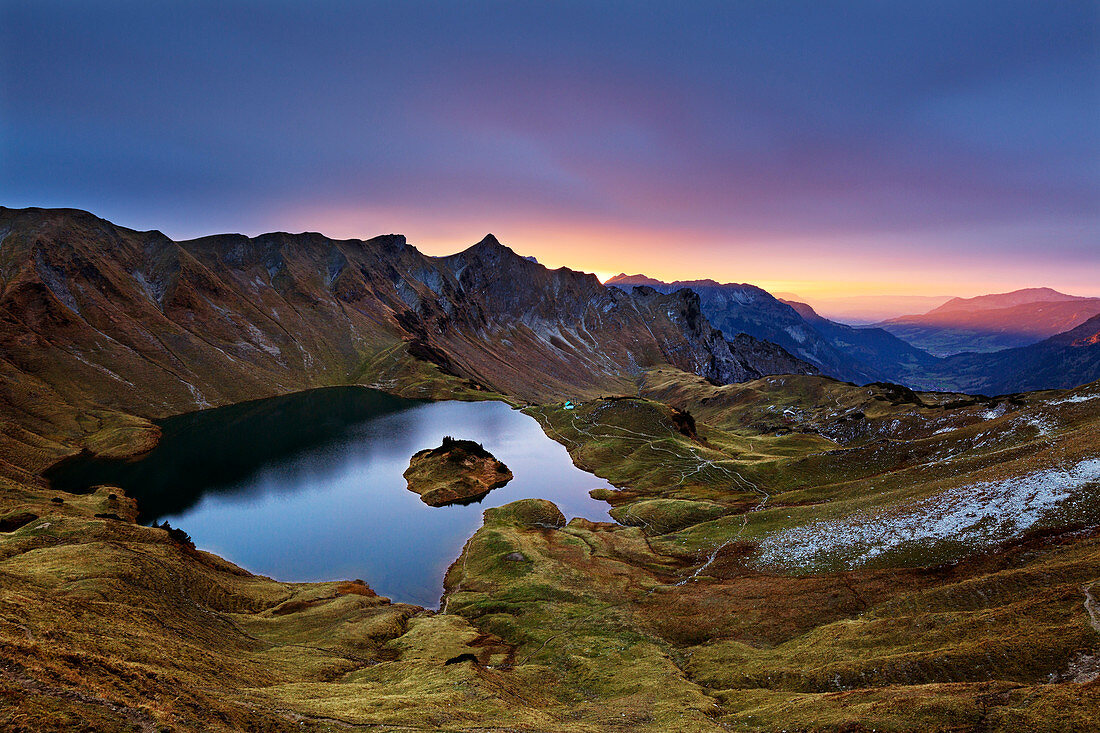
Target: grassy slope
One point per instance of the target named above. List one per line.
(582, 626)
(910, 639)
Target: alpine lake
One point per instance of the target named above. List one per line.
(309, 486)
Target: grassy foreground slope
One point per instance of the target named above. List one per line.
(822, 476)
(862, 556)
(681, 618)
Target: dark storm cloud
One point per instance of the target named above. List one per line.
(768, 119)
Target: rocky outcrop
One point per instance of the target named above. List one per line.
(457, 472)
(527, 513)
(763, 357)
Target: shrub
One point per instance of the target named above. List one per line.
(177, 534)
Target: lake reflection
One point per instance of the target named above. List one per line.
(309, 486)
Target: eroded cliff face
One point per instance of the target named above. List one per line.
(98, 317)
(762, 358)
(859, 355)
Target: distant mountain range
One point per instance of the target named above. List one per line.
(993, 322)
(852, 354)
(134, 323)
(1068, 356)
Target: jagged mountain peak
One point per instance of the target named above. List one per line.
(509, 269)
(487, 249)
(489, 244)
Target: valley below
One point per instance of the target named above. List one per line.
(695, 538)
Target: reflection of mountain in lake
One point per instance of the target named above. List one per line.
(217, 450)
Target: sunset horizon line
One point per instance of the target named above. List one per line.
(555, 249)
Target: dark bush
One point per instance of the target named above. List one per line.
(177, 534)
(684, 422)
(466, 657)
(460, 447)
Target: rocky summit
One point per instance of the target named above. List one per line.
(788, 551)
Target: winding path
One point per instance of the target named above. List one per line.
(701, 464)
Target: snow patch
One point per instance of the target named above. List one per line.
(1075, 399)
(1041, 423)
(984, 513)
(994, 413)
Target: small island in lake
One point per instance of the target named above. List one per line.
(457, 472)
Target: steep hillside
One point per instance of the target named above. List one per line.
(875, 347)
(851, 354)
(1065, 360)
(112, 323)
(994, 322)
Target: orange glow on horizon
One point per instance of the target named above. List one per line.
(812, 269)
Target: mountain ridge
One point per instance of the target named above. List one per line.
(838, 350)
(1053, 363)
(1061, 361)
(93, 313)
(1021, 296)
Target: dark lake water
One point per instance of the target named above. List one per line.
(309, 487)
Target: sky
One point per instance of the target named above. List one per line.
(821, 148)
